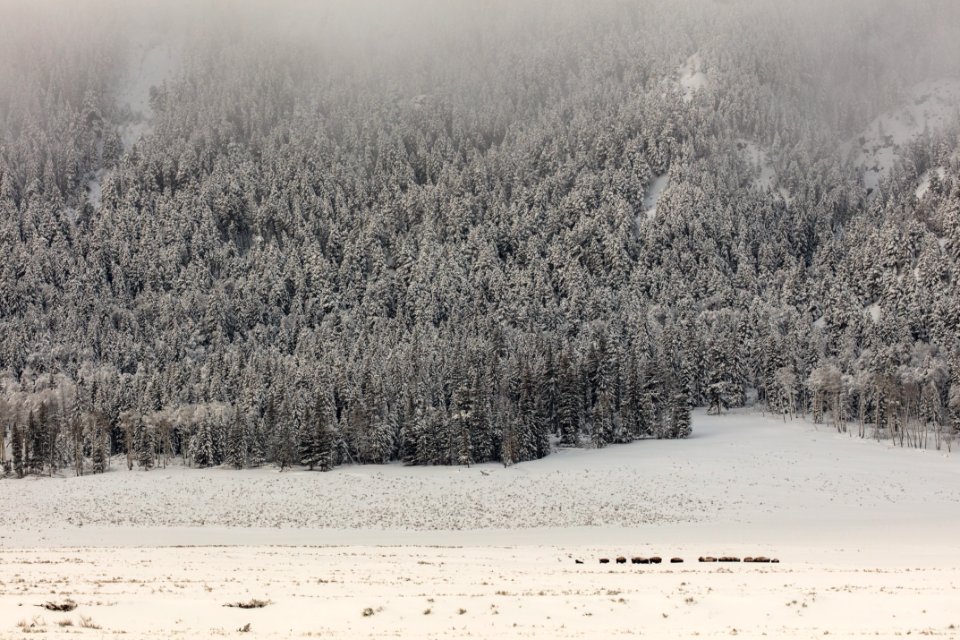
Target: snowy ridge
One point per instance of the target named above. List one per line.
(692, 76)
(758, 158)
(930, 106)
(151, 65)
(926, 179)
(652, 195)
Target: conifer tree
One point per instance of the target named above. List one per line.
(17, 442)
(237, 441)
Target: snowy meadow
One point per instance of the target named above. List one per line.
(864, 532)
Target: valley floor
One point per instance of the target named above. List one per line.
(866, 536)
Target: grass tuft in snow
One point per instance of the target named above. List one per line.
(249, 604)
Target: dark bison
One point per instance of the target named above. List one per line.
(637, 560)
(621, 560)
(604, 560)
(676, 560)
(656, 560)
(729, 559)
(578, 561)
(707, 559)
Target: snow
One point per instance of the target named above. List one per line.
(154, 60)
(930, 106)
(863, 551)
(759, 159)
(477, 592)
(652, 195)
(692, 76)
(737, 470)
(925, 180)
(95, 188)
(874, 312)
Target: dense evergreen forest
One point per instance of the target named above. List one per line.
(434, 232)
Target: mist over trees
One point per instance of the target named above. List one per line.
(357, 233)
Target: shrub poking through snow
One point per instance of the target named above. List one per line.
(66, 605)
(253, 603)
(87, 623)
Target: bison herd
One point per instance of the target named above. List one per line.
(735, 559)
(675, 560)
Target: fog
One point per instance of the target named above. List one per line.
(876, 47)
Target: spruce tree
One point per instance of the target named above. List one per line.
(309, 452)
(569, 402)
(98, 445)
(17, 443)
(202, 444)
(237, 441)
(145, 444)
(680, 424)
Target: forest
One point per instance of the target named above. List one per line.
(448, 233)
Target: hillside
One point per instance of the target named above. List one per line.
(452, 235)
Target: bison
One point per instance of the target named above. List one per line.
(604, 560)
(621, 560)
(656, 560)
(676, 560)
(707, 559)
(637, 560)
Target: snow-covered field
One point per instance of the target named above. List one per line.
(866, 535)
(479, 592)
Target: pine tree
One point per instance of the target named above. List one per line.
(325, 438)
(202, 444)
(237, 441)
(718, 379)
(462, 417)
(309, 452)
(680, 424)
(98, 445)
(285, 443)
(145, 445)
(569, 405)
(17, 443)
(35, 440)
(75, 431)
